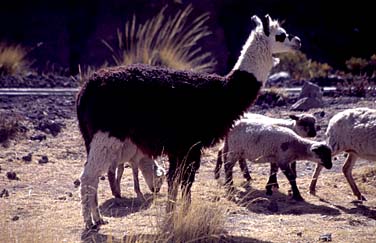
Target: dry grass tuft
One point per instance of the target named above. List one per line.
(12, 59)
(165, 41)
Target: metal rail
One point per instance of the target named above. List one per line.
(73, 91)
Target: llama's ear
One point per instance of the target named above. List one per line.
(276, 61)
(256, 21)
(266, 24)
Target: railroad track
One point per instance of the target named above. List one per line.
(73, 91)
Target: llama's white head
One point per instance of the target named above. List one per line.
(279, 40)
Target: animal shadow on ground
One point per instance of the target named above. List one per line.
(95, 237)
(257, 201)
(121, 207)
(359, 209)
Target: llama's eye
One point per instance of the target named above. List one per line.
(280, 37)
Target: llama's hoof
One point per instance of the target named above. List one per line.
(362, 198)
(101, 222)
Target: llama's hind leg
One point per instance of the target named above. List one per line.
(244, 168)
(114, 179)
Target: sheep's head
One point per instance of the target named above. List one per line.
(279, 40)
(305, 125)
(153, 173)
(322, 154)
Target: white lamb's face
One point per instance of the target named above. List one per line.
(279, 40)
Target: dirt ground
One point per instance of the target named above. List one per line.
(43, 204)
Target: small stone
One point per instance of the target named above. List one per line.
(11, 175)
(326, 237)
(300, 234)
(38, 137)
(77, 183)
(43, 160)
(4, 193)
(27, 158)
(15, 218)
(62, 198)
(69, 194)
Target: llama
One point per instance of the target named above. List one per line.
(190, 111)
(261, 142)
(352, 131)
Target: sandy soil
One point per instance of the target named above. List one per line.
(44, 205)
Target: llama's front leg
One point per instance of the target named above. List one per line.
(113, 179)
(136, 183)
(272, 182)
(291, 176)
(218, 165)
(172, 182)
(192, 164)
(347, 171)
(89, 199)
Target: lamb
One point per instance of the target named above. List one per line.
(261, 143)
(303, 124)
(352, 131)
(190, 111)
(152, 172)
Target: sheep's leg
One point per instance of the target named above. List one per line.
(172, 182)
(347, 171)
(218, 165)
(315, 177)
(114, 179)
(291, 176)
(136, 182)
(244, 169)
(272, 182)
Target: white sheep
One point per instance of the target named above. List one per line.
(303, 124)
(280, 146)
(152, 172)
(352, 131)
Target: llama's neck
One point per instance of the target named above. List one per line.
(256, 57)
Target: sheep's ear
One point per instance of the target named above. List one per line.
(256, 21)
(266, 24)
(294, 117)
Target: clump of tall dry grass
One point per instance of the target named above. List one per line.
(12, 59)
(165, 41)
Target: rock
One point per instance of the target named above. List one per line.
(77, 183)
(28, 157)
(4, 193)
(50, 127)
(277, 78)
(38, 137)
(11, 175)
(306, 104)
(15, 218)
(310, 90)
(43, 160)
(326, 237)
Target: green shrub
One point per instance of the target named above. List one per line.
(170, 42)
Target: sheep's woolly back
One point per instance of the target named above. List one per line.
(260, 142)
(161, 109)
(353, 130)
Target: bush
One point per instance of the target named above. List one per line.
(12, 59)
(170, 42)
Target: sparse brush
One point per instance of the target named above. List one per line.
(272, 97)
(12, 59)
(170, 42)
(358, 86)
(300, 67)
(9, 127)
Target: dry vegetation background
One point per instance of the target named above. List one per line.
(42, 155)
